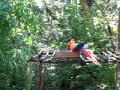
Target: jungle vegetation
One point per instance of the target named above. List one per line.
(27, 26)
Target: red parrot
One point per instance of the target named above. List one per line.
(72, 45)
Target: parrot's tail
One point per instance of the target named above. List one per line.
(94, 60)
(90, 57)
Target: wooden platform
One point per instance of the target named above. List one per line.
(65, 54)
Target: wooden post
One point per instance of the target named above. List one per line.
(41, 76)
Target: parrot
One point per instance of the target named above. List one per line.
(79, 47)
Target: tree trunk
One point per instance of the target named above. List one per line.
(119, 31)
(118, 64)
(85, 7)
(118, 77)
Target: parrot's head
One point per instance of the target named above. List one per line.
(71, 40)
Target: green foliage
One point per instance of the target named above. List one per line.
(26, 27)
(90, 77)
(16, 42)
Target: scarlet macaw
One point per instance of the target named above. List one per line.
(72, 45)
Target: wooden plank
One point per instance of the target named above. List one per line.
(63, 54)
